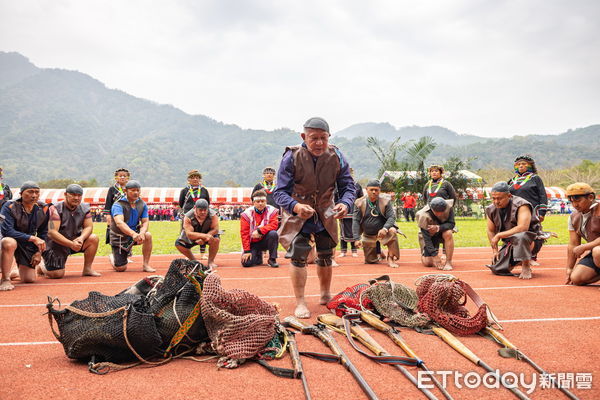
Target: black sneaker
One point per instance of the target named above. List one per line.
(273, 263)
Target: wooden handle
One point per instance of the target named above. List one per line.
(294, 323)
(396, 338)
(375, 322)
(368, 341)
(500, 337)
(331, 320)
(456, 344)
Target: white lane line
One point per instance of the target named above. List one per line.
(26, 343)
(316, 295)
(269, 277)
(550, 319)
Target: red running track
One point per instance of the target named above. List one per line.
(558, 326)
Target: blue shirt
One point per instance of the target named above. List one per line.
(285, 186)
(134, 219)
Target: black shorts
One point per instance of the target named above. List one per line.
(188, 245)
(588, 261)
(24, 253)
(437, 240)
(55, 258)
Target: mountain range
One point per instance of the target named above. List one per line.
(56, 123)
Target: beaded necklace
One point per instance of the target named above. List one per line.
(268, 186)
(521, 180)
(439, 185)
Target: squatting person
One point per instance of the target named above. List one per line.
(436, 226)
(512, 220)
(70, 229)
(200, 227)
(258, 231)
(374, 220)
(583, 260)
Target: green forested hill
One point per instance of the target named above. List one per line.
(65, 124)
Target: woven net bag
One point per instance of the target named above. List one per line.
(398, 303)
(239, 323)
(443, 298)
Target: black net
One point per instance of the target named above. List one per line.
(153, 315)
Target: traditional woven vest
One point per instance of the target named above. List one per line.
(199, 227)
(592, 229)
(361, 204)
(314, 184)
(510, 221)
(71, 222)
(24, 221)
(139, 206)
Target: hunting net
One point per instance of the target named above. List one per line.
(443, 298)
(239, 323)
(143, 319)
(398, 303)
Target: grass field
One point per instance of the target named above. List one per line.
(471, 234)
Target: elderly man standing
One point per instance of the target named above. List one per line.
(258, 231)
(70, 229)
(375, 218)
(583, 260)
(436, 226)
(306, 182)
(200, 227)
(512, 220)
(129, 227)
(24, 233)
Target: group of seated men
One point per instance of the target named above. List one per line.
(33, 231)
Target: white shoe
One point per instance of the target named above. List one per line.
(334, 263)
(534, 263)
(342, 255)
(354, 254)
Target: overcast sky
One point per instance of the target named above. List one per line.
(490, 68)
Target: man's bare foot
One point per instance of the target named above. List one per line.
(212, 265)
(325, 298)
(302, 312)
(14, 274)
(5, 285)
(392, 264)
(148, 268)
(40, 270)
(525, 273)
(446, 267)
(534, 263)
(90, 272)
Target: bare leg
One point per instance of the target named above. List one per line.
(213, 249)
(582, 275)
(298, 275)
(186, 252)
(8, 250)
(147, 252)
(525, 270)
(325, 274)
(27, 274)
(449, 246)
(90, 247)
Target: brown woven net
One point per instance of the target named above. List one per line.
(398, 303)
(443, 298)
(239, 324)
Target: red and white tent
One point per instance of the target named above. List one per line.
(154, 195)
(553, 192)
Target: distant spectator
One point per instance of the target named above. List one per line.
(410, 202)
(115, 192)
(258, 231)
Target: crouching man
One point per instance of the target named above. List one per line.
(258, 230)
(583, 260)
(512, 220)
(374, 217)
(436, 226)
(129, 227)
(70, 229)
(200, 227)
(24, 233)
